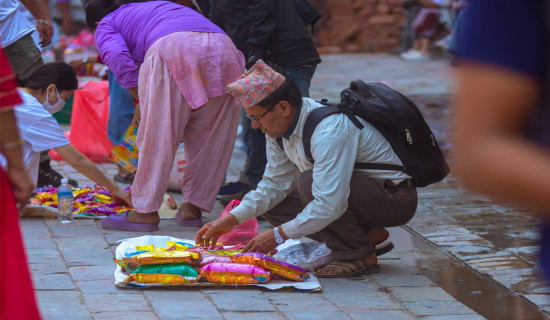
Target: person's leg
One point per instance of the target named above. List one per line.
(121, 113)
(254, 140)
(164, 116)
(372, 203)
(66, 18)
(301, 76)
(24, 56)
(209, 139)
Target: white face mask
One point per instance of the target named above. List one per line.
(53, 108)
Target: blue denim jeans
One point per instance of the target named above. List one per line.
(254, 139)
(121, 110)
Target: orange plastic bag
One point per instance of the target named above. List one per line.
(242, 233)
(89, 122)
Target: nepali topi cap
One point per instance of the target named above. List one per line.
(255, 85)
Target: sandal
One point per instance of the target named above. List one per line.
(128, 179)
(347, 269)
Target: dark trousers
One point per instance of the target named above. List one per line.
(254, 139)
(371, 203)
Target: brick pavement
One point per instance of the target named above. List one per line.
(73, 269)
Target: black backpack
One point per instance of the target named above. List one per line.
(399, 121)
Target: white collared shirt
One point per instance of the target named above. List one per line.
(336, 144)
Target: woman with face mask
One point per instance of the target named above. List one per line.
(44, 92)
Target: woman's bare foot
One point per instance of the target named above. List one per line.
(189, 211)
(137, 217)
(377, 235)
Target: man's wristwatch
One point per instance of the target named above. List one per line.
(278, 238)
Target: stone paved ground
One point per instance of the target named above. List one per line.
(461, 257)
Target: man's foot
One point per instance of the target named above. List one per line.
(349, 268)
(48, 176)
(232, 191)
(378, 237)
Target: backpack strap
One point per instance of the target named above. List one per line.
(311, 123)
(280, 143)
(319, 114)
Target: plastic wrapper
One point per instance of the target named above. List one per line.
(221, 251)
(214, 258)
(242, 233)
(160, 278)
(234, 273)
(309, 256)
(161, 257)
(125, 153)
(279, 268)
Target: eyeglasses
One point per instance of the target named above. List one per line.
(260, 117)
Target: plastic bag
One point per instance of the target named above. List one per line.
(89, 122)
(242, 233)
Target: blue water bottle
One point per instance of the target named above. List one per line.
(65, 202)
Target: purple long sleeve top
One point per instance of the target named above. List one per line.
(124, 36)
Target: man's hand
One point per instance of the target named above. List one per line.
(208, 235)
(45, 32)
(264, 243)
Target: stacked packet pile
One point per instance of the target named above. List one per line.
(182, 263)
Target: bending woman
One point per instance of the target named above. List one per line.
(184, 64)
(44, 92)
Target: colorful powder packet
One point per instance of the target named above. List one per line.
(233, 273)
(125, 153)
(96, 201)
(214, 258)
(279, 268)
(161, 257)
(183, 270)
(160, 278)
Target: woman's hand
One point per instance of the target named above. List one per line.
(137, 116)
(119, 196)
(21, 184)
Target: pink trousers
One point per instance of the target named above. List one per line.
(208, 134)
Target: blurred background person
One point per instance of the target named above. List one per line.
(503, 105)
(17, 299)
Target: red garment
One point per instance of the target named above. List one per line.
(8, 93)
(17, 300)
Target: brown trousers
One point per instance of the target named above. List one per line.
(371, 203)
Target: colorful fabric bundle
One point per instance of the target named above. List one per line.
(234, 273)
(160, 257)
(279, 268)
(96, 201)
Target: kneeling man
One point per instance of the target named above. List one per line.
(328, 201)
